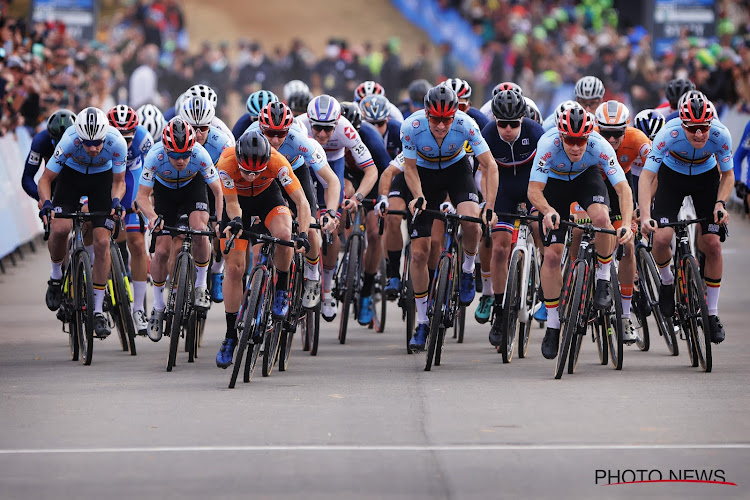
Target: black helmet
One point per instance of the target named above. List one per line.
(508, 105)
(441, 101)
(253, 151)
(58, 122)
(417, 90)
(675, 89)
(299, 100)
(351, 112)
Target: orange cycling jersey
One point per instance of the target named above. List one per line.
(278, 168)
(634, 149)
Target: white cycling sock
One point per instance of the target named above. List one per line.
(217, 267)
(602, 272)
(159, 297)
(665, 272)
(487, 290)
(98, 297)
(328, 278)
(421, 302)
(200, 276)
(139, 294)
(468, 265)
(56, 273)
(553, 317)
(713, 287)
(312, 269)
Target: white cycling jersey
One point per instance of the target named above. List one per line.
(394, 112)
(344, 136)
(218, 123)
(486, 110)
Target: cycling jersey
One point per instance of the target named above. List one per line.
(216, 142)
(344, 137)
(42, 147)
(375, 145)
(549, 122)
(419, 143)
(278, 168)
(479, 117)
(633, 151)
(392, 137)
(157, 167)
(219, 124)
(517, 154)
(553, 163)
(672, 148)
(242, 125)
(71, 153)
(742, 152)
(300, 149)
(139, 146)
(394, 113)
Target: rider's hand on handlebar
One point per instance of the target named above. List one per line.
(46, 212)
(350, 204)
(624, 235)
(330, 222)
(490, 217)
(381, 207)
(447, 207)
(116, 208)
(234, 227)
(648, 226)
(721, 215)
(548, 223)
(413, 204)
(302, 245)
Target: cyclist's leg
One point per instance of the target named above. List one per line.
(398, 198)
(462, 191)
(332, 251)
(235, 265)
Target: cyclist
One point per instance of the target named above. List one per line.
(512, 140)
(89, 160)
(463, 91)
(435, 159)
(567, 169)
(370, 87)
(152, 119)
(139, 141)
(304, 154)
(742, 188)
(176, 172)
(589, 92)
(632, 147)
(486, 108)
(42, 146)
(551, 121)
(675, 89)
(255, 102)
(532, 111)
(648, 121)
(248, 173)
(691, 148)
(416, 90)
(324, 123)
(298, 102)
(207, 92)
(292, 87)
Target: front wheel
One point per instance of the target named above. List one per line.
(570, 318)
(698, 313)
(83, 292)
(378, 297)
(349, 283)
(613, 322)
(510, 325)
(439, 304)
(651, 281)
(180, 307)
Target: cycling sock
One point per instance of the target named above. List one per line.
(421, 302)
(231, 330)
(468, 265)
(328, 277)
(487, 283)
(56, 273)
(201, 270)
(712, 295)
(218, 266)
(98, 297)
(626, 292)
(139, 294)
(553, 317)
(394, 263)
(430, 277)
(125, 255)
(282, 280)
(665, 271)
(312, 268)
(602, 272)
(90, 251)
(367, 285)
(159, 295)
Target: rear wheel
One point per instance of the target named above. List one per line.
(651, 282)
(698, 313)
(124, 323)
(68, 307)
(180, 308)
(599, 332)
(349, 284)
(570, 318)
(439, 304)
(524, 327)
(83, 292)
(271, 347)
(406, 301)
(378, 297)
(510, 325)
(613, 319)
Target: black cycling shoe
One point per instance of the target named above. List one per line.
(101, 326)
(496, 331)
(551, 343)
(54, 294)
(602, 295)
(717, 329)
(666, 300)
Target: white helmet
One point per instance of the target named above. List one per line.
(178, 102)
(565, 105)
(460, 87)
(649, 121)
(324, 110)
(197, 111)
(294, 86)
(92, 124)
(532, 110)
(589, 87)
(204, 91)
(612, 115)
(152, 118)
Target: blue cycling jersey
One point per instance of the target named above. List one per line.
(419, 143)
(516, 155)
(392, 138)
(216, 142)
(42, 148)
(242, 125)
(553, 162)
(672, 148)
(142, 142)
(374, 142)
(549, 122)
(478, 117)
(158, 167)
(70, 152)
(299, 148)
(742, 151)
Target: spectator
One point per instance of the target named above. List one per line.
(390, 73)
(144, 84)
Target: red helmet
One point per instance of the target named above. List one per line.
(695, 108)
(123, 118)
(441, 101)
(507, 86)
(575, 122)
(366, 88)
(178, 136)
(275, 116)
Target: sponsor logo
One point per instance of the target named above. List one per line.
(406, 138)
(725, 147)
(203, 164)
(160, 156)
(426, 148)
(725, 159)
(473, 197)
(560, 166)
(109, 224)
(612, 171)
(57, 210)
(471, 131)
(302, 149)
(115, 154)
(644, 150)
(525, 142)
(546, 156)
(715, 133)
(713, 228)
(167, 172)
(624, 158)
(664, 220)
(553, 239)
(597, 199)
(350, 133)
(199, 205)
(414, 124)
(556, 141)
(451, 147)
(661, 145)
(673, 133)
(603, 156)
(414, 234)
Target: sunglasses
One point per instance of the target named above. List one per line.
(251, 172)
(440, 119)
(695, 128)
(203, 129)
(380, 123)
(323, 128)
(611, 134)
(508, 123)
(276, 133)
(179, 156)
(575, 141)
(93, 144)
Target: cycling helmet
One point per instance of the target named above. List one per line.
(351, 112)
(649, 121)
(123, 118)
(565, 105)
(575, 122)
(323, 110)
(253, 151)
(152, 118)
(612, 115)
(299, 100)
(275, 116)
(441, 101)
(367, 88)
(197, 111)
(507, 86)
(417, 90)
(294, 86)
(677, 88)
(508, 105)
(178, 136)
(204, 91)
(92, 124)
(460, 87)
(58, 122)
(257, 101)
(532, 111)
(375, 108)
(589, 87)
(178, 102)
(694, 107)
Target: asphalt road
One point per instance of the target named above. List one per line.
(363, 420)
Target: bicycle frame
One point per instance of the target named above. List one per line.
(525, 245)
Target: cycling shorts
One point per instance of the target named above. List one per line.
(338, 168)
(172, 203)
(266, 205)
(72, 185)
(511, 191)
(399, 189)
(674, 187)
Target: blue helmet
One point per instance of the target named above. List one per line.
(375, 108)
(258, 100)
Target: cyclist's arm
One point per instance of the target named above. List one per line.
(232, 206)
(118, 185)
(33, 160)
(490, 177)
(333, 186)
(303, 209)
(144, 202)
(215, 188)
(384, 185)
(726, 185)
(412, 177)
(368, 181)
(625, 197)
(646, 188)
(45, 185)
(535, 193)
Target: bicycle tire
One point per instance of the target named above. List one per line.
(614, 331)
(698, 309)
(271, 347)
(246, 322)
(531, 299)
(69, 305)
(378, 298)
(409, 311)
(351, 276)
(512, 307)
(179, 309)
(598, 332)
(438, 309)
(315, 331)
(651, 279)
(285, 349)
(84, 306)
(111, 306)
(642, 334)
(588, 315)
(460, 324)
(122, 298)
(570, 318)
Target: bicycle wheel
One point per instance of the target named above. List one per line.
(348, 285)
(587, 316)
(180, 308)
(246, 323)
(439, 305)
(613, 320)
(68, 308)
(459, 324)
(83, 292)
(271, 347)
(598, 332)
(285, 349)
(570, 318)
(124, 323)
(651, 280)
(191, 336)
(263, 322)
(378, 297)
(510, 325)
(408, 310)
(698, 312)
(640, 318)
(524, 327)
